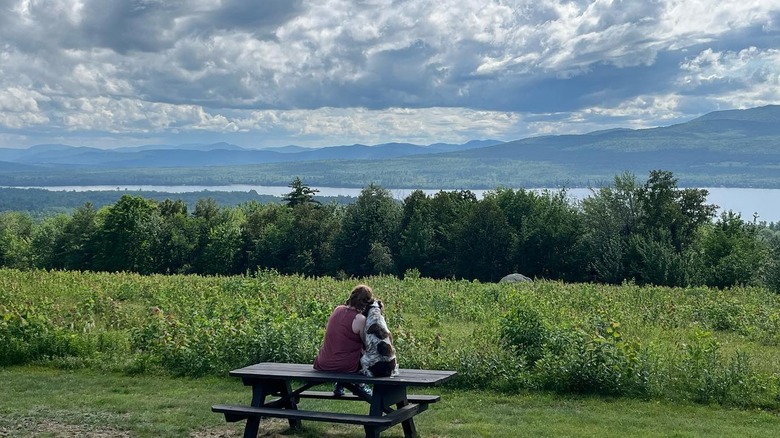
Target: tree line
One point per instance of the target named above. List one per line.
(42, 202)
(650, 232)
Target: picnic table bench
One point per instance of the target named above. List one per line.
(389, 405)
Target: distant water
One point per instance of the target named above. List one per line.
(747, 202)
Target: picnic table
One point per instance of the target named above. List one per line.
(389, 405)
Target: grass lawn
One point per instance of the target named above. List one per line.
(45, 402)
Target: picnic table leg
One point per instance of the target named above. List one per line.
(371, 432)
(262, 389)
(286, 390)
(410, 431)
(259, 392)
(251, 428)
(386, 396)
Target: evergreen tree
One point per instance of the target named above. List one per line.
(301, 194)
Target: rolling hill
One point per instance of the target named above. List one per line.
(734, 148)
(217, 154)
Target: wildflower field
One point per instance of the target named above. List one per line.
(695, 344)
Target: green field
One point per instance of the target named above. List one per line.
(147, 355)
(47, 402)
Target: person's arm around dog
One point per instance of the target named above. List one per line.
(343, 343)
(359, 325)
(344, 336)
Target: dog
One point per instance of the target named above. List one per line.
(378, 358)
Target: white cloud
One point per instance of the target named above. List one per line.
(749, 77)
(19, 108)
(696, 20)
(637, 112)
(330, 126)
(326, 70)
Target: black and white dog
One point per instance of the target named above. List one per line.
(378, 358)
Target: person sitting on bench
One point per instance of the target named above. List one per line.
(343, 343)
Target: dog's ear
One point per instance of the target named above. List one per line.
(384, 369)
(381, 305)
(385, 349)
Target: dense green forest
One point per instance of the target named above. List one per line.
(650, 232)
(42, 202)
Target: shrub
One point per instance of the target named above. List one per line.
(27, 334)
(580, 362)
(725, 314)
(488, 369)
(523, 329)
(772, 279)
(703, 375)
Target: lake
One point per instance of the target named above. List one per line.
(764, 202)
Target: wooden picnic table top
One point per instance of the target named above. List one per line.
(306, 372)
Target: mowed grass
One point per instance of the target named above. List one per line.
(47, 402)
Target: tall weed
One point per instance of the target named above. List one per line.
(699, 344)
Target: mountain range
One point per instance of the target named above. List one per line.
(216, 154)
(733, 148)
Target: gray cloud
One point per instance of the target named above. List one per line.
(130, 25)
(259, 18)
(231, 67)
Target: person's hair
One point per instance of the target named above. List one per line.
(360, 297)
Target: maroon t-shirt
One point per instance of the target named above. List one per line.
(341, 348)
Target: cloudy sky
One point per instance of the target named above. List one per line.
(259, 73)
